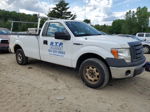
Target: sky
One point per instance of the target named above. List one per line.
(98, 11)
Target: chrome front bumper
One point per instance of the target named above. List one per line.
(126, 72)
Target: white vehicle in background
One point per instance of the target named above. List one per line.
(146, 47)
(97, 56)
(143, 36)
(146, 44)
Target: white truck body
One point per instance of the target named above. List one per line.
(68, 52)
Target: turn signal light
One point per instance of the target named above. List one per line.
(115, 53)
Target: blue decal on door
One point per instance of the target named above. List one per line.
(56, 48)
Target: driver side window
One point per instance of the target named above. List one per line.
(55, 27)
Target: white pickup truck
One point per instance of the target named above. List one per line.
(75, 44)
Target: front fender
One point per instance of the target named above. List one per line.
(90, 49)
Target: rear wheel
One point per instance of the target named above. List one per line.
(146, 49)
(20, 57)
(94, 73)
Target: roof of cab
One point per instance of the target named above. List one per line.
(61, 20)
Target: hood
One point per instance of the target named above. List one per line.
(111, 38)
(4, 37)
(122, 41)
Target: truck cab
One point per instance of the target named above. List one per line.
(97, 56)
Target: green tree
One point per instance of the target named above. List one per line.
(88, 21)
(117, 26)
(142, 18)
(103, 28)
(135, 21)
(6, 17)
(61, 11)
(130, 24)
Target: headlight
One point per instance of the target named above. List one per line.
(122, 54)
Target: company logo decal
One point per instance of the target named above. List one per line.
(56, 48)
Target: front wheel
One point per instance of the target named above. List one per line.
(94, 73)
(21, 58)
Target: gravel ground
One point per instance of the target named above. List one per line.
(45, 87)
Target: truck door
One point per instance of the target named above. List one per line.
(54, 50)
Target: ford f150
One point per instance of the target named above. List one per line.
(78, 45)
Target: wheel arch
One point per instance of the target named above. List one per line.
(17, 46)
(146, 45)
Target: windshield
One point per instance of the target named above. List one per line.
(82, 29)
(2, 31)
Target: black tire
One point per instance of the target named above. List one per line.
(146, 49)
(87, 68)
(20, 57)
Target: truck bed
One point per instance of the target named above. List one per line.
(28, 42)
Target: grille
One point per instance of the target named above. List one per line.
(4, 42)
(136, 51)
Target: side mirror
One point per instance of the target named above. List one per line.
(62, 36)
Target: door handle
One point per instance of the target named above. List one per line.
(45, 42)
(77, 44)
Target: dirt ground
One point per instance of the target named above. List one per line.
(45, 87)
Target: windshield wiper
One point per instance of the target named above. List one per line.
(98, 34)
